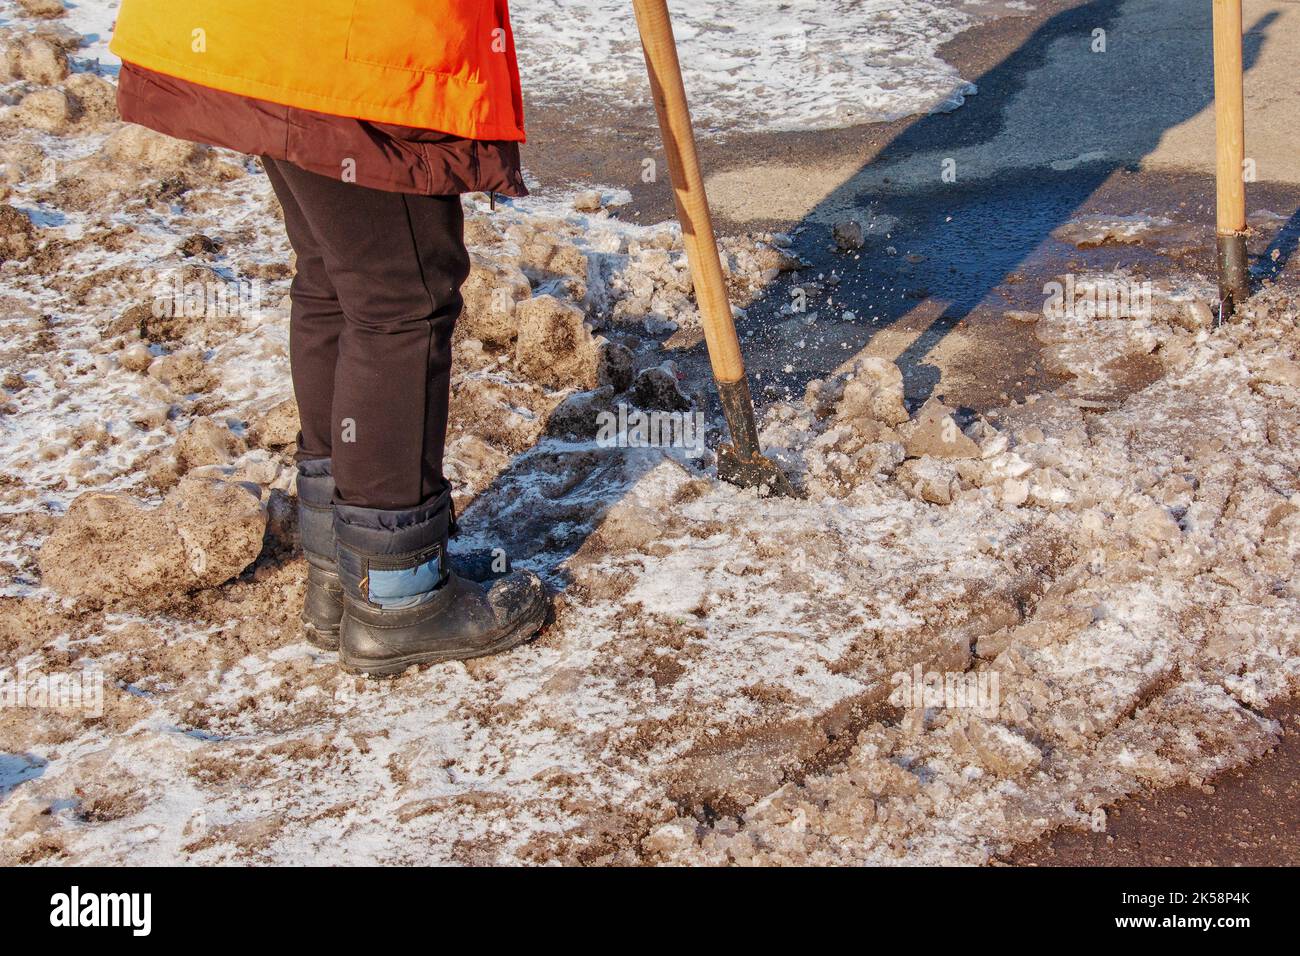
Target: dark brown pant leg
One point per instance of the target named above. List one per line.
(396, 263)
(315, 321)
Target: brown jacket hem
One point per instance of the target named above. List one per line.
(378, 155)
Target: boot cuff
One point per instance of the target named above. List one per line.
(316, 482)
(375, 531)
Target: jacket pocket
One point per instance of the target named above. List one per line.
(422, 36)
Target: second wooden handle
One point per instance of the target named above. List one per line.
(1229, 118)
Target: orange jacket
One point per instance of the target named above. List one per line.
(446, 65)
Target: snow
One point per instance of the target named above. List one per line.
(827, 63)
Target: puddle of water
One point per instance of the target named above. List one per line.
(17, 769)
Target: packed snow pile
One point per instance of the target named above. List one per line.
(204, 533)
(968, 631)
(758, 64)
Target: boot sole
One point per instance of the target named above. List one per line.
(327, 639)
(393, 666)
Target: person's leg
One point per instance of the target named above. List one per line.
(315, 322)
(396, 262)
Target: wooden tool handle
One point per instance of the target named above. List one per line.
(1229, 118)
(688, 189)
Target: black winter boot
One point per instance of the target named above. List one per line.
(323, 607)
(404, 605)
